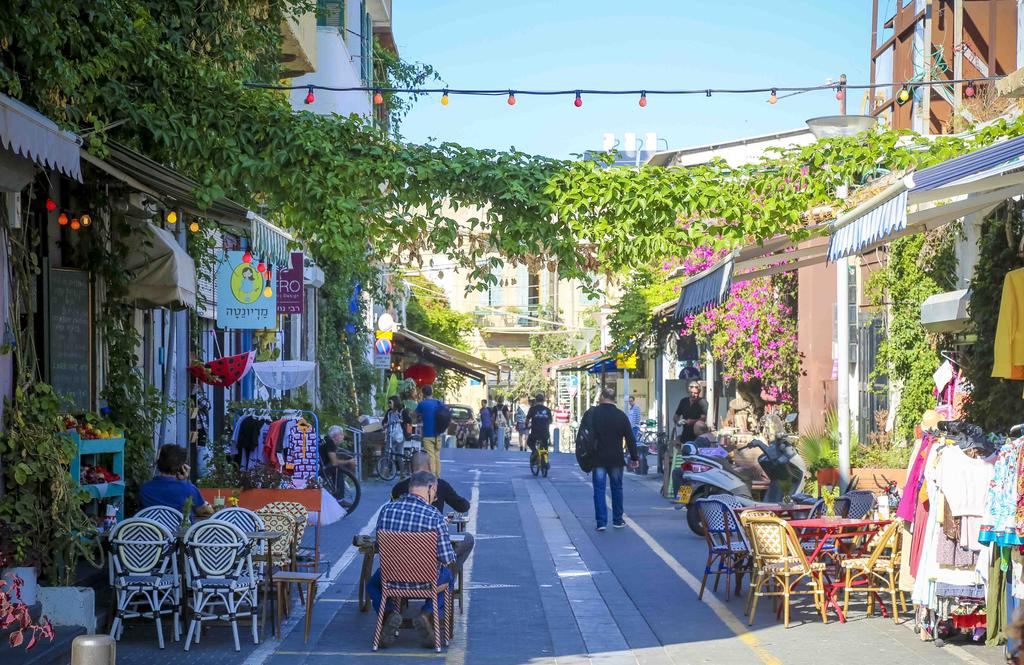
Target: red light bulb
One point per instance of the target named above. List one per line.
(51, 205)
(62, 219)
(378, 98)
(310, 97)
(969, 91)
(262, 267)
(247, 257)
(643, 100)
(511, 98)
(579, 100)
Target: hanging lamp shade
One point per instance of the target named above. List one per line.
(284, 374)
(223, 372)
(422, 375)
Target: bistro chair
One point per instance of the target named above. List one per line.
(220, 578)
(247, 521)
(145, 568)
(408, 570)
(728, 552)
(779, 559)
(305, 557)
(876, 573)
(859, 503)
(282, 550)
(167, 517)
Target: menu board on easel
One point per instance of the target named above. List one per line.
(69, 336)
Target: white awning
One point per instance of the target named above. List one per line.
(32, 138)
(165, 275)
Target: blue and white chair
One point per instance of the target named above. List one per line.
(142, 553)
(220, 577)
(728, 550)
(167, 517)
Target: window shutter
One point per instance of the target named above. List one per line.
(522, 286)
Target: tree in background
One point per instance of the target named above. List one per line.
(528, 371)
(429, 313)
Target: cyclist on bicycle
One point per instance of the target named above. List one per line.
(330, 456)
(538, 423)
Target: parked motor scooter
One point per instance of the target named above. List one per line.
(703, 475)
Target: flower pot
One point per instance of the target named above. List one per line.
(827, 477)
(29, 588)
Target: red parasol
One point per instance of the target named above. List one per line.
(422, 375)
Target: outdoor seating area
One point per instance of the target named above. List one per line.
(816, 550)
(234, 567)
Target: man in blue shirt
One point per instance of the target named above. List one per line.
(486, 426)
(413, 512)
(171, 487)
(426, 411)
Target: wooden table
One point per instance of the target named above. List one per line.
(281, 581)
(834, 529)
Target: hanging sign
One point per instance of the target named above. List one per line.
(382, 361)
(244, 299)
(383, 346)
(291, 287)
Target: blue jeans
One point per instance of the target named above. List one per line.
(374, 591)
(614, 475)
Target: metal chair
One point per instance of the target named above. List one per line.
(779, 559)
(877, 572)
(860, 503)
(142, 556)
(305, 557)
(728, 552)
(220, 574)
(167, 517)
(247, 521)
(408, 570)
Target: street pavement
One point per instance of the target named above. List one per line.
(543, 586)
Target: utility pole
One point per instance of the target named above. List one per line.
(843, 341)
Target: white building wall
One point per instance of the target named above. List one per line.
(337, 67)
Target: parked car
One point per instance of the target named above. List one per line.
(464, 426)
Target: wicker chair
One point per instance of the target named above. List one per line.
(145, 569)
(167, 517)
(728, 552)
(408, 569)
(281, 550)
(860, 503)
(878, 572)
(305, 557)
(779, 559)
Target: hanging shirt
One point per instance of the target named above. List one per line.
(1008, 352)
(964, 481)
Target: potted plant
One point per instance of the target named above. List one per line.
(820, 450)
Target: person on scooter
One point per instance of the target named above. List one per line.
(692, 409)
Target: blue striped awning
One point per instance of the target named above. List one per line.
(886, 215)
(270, 242)
(706, 289)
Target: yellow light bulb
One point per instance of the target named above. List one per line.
(444, 99)
(267, 292)
(194, 227)
(86, 220)
(172, 217)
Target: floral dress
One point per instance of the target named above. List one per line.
(1000, 522)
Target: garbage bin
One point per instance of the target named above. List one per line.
(93, 650)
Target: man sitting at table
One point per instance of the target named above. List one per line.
(413, 512)
(171, 487)
(445, 494)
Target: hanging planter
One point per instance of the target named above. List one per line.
(422, 375)
(223, 372)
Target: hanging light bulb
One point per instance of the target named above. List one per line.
(774, 97)
(969, 90)
(579, 100)
(643, 99)
(267, 292)
(378, 98)
(511, 98)
(444, 97)
(62, 219)
(194, 227)
(270, 272)
(840, 93)
(51, 205)
(310, 97)
(86, 220)
(75, 224)
(172, 217)
(903, 96)
(262, 267)
(247, 257)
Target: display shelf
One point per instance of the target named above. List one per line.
(101, 491)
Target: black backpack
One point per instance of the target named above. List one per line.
(442, 419)
(586, 443)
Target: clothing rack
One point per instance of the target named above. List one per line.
(276, 414)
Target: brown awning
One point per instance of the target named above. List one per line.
(446, 356)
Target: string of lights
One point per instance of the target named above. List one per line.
(840, 88)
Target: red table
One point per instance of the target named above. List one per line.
(827, 529)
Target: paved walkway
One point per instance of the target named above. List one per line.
(544, 587)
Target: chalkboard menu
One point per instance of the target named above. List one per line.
(69, 336)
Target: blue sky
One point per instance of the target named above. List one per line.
(627, 44)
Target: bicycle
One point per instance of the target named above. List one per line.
(342, 485)
(539, 462)
(393, 462)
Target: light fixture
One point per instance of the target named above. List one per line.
(774, 97)
(969, 90)
(578, 102)
(75, 224)
(86, 220)
(444, 97)
(51, 205)
(247, 257)
(172, 217)
(643, 99)
(378, 98)
(310, 97)
(267, 292)
(262, 267)
(903, 96)
(840, 125)
(62, 219)
(511, 98)
(194, 227)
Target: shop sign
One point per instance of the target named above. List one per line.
(625, 361)
(244, 299)
(382, 361)
(290, 287)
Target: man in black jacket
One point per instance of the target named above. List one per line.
(445, 494)
(611, 428)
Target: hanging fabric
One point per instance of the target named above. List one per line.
(223, 372)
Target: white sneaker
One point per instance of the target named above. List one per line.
(602, 528)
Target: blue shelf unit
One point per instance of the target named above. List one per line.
(93, 449)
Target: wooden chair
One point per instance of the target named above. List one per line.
(876, 573)
(779, 559)
(408, 570)
(728, 551)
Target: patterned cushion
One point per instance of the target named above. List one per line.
(792, 564)
(733, 547)
(884, 565)
(145, 581)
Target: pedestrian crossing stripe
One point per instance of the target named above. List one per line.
(499, 501)
(491, 536)
(482, 586)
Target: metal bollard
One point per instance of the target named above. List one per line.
(93, 650)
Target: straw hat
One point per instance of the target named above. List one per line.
(930, 420)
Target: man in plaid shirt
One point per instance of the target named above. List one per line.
(413, 512)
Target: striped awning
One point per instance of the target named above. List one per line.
(977, 181)
(270, 242)
(28, 133)
(706, 289)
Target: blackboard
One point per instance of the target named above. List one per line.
(69, 336)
